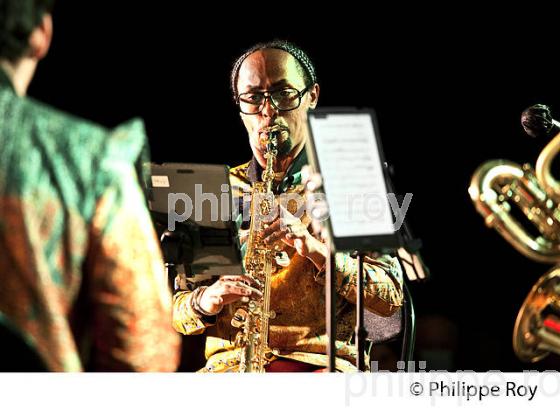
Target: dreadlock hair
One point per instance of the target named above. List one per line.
(306, 66)
(18, 19)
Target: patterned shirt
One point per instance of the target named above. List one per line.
(298, 331)
(81, 271)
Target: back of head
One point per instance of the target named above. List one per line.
(18, 18)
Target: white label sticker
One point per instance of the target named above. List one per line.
(160, 181)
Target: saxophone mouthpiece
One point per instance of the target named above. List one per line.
(273, 131)
(272, 143)
(271, 135)
(537, 122)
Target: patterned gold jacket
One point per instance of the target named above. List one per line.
(298, 297)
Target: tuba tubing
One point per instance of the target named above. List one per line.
(542, 169)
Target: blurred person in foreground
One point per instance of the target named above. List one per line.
(81, 273)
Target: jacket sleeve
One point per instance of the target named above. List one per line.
(186, 320)
(383, 283)
(127, 286)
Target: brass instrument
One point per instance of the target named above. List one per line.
(548, 182)
(254, 321)
(498, 185)
(537, 328)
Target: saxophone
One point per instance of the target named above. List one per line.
(259, 264)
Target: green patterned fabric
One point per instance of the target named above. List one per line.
(80, 266)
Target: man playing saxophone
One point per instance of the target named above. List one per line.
(274, 85)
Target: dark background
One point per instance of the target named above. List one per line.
(448, 96)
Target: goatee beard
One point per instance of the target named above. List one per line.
(285, 148)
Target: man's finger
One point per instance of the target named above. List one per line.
(252, 292)
(238, 278)
(241, 289)
(271, 228)
(273, 237)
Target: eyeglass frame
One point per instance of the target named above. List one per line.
(269, 97)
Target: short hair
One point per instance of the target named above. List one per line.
(307, 68)
(18, 19)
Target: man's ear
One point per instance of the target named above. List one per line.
(40, 38)
(314, 94)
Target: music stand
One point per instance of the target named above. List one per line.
(344, 147)
(192, 206)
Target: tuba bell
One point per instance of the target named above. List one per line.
(537, 328)
(499, 185)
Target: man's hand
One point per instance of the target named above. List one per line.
(317, 207)
(294, 233)
(226, 290)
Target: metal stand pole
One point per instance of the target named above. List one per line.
(360, 330)
(330, 303)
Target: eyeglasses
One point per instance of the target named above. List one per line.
(285, 99)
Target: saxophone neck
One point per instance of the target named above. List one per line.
(270, 155)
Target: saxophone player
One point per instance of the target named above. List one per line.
(274, 85)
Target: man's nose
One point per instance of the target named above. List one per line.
(269, 110)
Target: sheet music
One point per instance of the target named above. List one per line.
(352, 174)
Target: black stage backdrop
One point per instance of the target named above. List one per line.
(448, 96)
